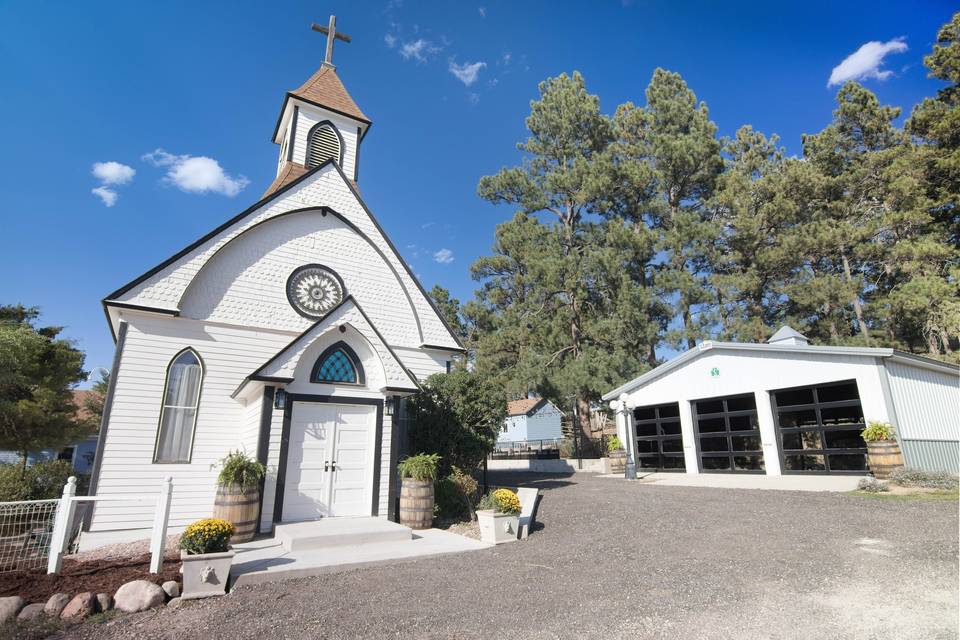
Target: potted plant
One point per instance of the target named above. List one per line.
(238, 494)
(206, 557)
(417, 474)
(616, 455)
(883, 452)
(499, 516)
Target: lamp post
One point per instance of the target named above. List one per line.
(623, 412)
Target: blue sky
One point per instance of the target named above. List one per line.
(447, 86)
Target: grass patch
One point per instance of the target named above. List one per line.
(42, 627)
(924, 496)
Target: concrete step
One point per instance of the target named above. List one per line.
(339, 532)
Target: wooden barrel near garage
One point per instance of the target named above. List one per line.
(416, 503)
(884, 457)
(618, 461)
(238, 507)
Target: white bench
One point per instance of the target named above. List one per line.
(529, 501)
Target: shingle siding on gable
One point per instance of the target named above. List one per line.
(244, 283)
(324, 188)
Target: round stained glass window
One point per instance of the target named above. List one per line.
(314, 290)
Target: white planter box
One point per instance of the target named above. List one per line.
(498, 527)
(205, 574)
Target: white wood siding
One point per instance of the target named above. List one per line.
(423, 363)
(229, 355)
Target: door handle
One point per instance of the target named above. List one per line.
(333, 465)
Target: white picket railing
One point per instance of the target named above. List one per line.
(66, 508)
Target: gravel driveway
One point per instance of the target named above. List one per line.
(629, 560)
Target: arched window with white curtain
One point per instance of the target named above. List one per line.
(178, 415)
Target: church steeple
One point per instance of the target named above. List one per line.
(319, 121)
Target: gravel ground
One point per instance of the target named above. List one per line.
(614, 559)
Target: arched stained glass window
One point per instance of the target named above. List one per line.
(178, 414)
(338, 364)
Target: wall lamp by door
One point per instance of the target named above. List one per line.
(280, 399)
(388, 404)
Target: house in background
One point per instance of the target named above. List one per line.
(787, 407)
(80, 454)
(531, 419)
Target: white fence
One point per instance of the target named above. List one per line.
(38, 530)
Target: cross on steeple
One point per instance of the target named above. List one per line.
(332, 34)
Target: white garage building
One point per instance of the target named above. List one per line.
(788, 407)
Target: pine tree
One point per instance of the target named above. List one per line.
(548, 330)
(679, 141)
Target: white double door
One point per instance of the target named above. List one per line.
(329, 461)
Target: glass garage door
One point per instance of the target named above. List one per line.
(659, 443)
(728, 435)
(820, 428)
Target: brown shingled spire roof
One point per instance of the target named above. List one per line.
(325, 89)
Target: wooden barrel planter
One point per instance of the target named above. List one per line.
(618, 461)
(416, 503)
(884, 457)
(240, 508)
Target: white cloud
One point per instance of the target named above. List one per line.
(483, 11)
(112, 172)
(444, 256)
(106, 194)
(506, 58)
(391, 40)
(865, 62)
(473, 98)
(196, 174)
(467, 72)
(420, 50)
(427, 225)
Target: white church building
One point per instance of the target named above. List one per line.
(290, 331)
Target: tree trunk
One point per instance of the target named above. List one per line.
(583, 414)
(857, 307)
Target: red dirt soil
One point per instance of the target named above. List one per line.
(96, 576)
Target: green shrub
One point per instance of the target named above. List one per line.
(614, 444)
(872, 485)
(925, 479)
(239, 469)
(877, 431)
(422, 466)
(40, 481)
(455, 495)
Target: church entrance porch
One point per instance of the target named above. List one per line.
(328, 449)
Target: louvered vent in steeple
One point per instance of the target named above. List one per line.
(323, 144)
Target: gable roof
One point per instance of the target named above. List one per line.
(524, 406)
(799, 349)
(325, 89)
(279, 368)
(290, 172)
(110, 299)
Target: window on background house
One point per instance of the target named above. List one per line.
(323, 144)
(178, 416)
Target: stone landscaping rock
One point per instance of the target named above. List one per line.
(171, 588)
(175, 602)
(31, 612)
(55, 604)
(83, 605)
(138, 595)
(10, 607)
(104, 602)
